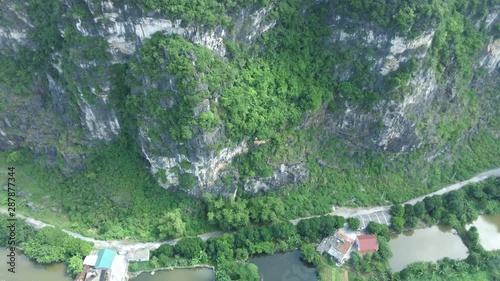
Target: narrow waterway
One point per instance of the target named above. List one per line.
(194, 274)
(27, 270)
(284, 266)
(429, 245)
(489, 231)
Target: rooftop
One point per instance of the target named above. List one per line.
(337, 246)
(367, 243)
(90, 260)
(105, 259)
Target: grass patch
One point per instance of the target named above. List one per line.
(33, 180)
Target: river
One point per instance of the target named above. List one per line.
(489, 231)
(27, 270)
(429, 244)
(284, 266)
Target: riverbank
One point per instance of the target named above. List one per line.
(286, 236)
(27, 269)
(132, 275)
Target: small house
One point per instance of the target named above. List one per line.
(105, 259)
(105, 265)
(338, 246)
(367, 244)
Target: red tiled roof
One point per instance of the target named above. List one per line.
(347, 237)
(367, 243)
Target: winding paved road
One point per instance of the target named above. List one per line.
(384, 210)
(371, 212)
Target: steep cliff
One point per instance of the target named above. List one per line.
(196, 96)
(69, 95)
(417, 109)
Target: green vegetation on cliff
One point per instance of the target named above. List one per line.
(258, 96)
(206, 12)
(262, 91)
(113, 198)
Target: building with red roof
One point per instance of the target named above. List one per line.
(367, 244)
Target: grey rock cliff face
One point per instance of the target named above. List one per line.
(285, 174)
(125, 27)
(84, 110)
(392, 124)
(72, 110)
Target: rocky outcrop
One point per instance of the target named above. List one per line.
(79, 97)
(398, 124)
(126, 26)
(15, 26)
(70, 107)
(285, 174)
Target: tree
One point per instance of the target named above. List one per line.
(354, 223)
(397, 211)
(378, 229)
(266, 234)
(43, 253)
(398, 224)
(432, 204)
(164, 249)
(355, 260)
(24, 231)
(284, 230)
(384, 250)
(339, 222)
(189, 247)
(476, 191)
(455, 202)
(187, 180)
(266, 209)
(309, 229)
(419, 210)
(171, 225)
(328, 225)
(241, 254)
(411, 222)
(409, 211)
(51, 245)
(228, 214)
(248, 272)
(308, 253)
(75, 265)
(221, 247)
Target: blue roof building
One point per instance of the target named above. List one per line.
(105, 259)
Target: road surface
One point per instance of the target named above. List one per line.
(363, 211)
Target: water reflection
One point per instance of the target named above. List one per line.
(284, 267)
(27, 270)
(430, 244)
(489, 231)
(407, 233)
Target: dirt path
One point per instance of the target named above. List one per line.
(125, 245)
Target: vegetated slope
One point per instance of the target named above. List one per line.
(345, 102)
